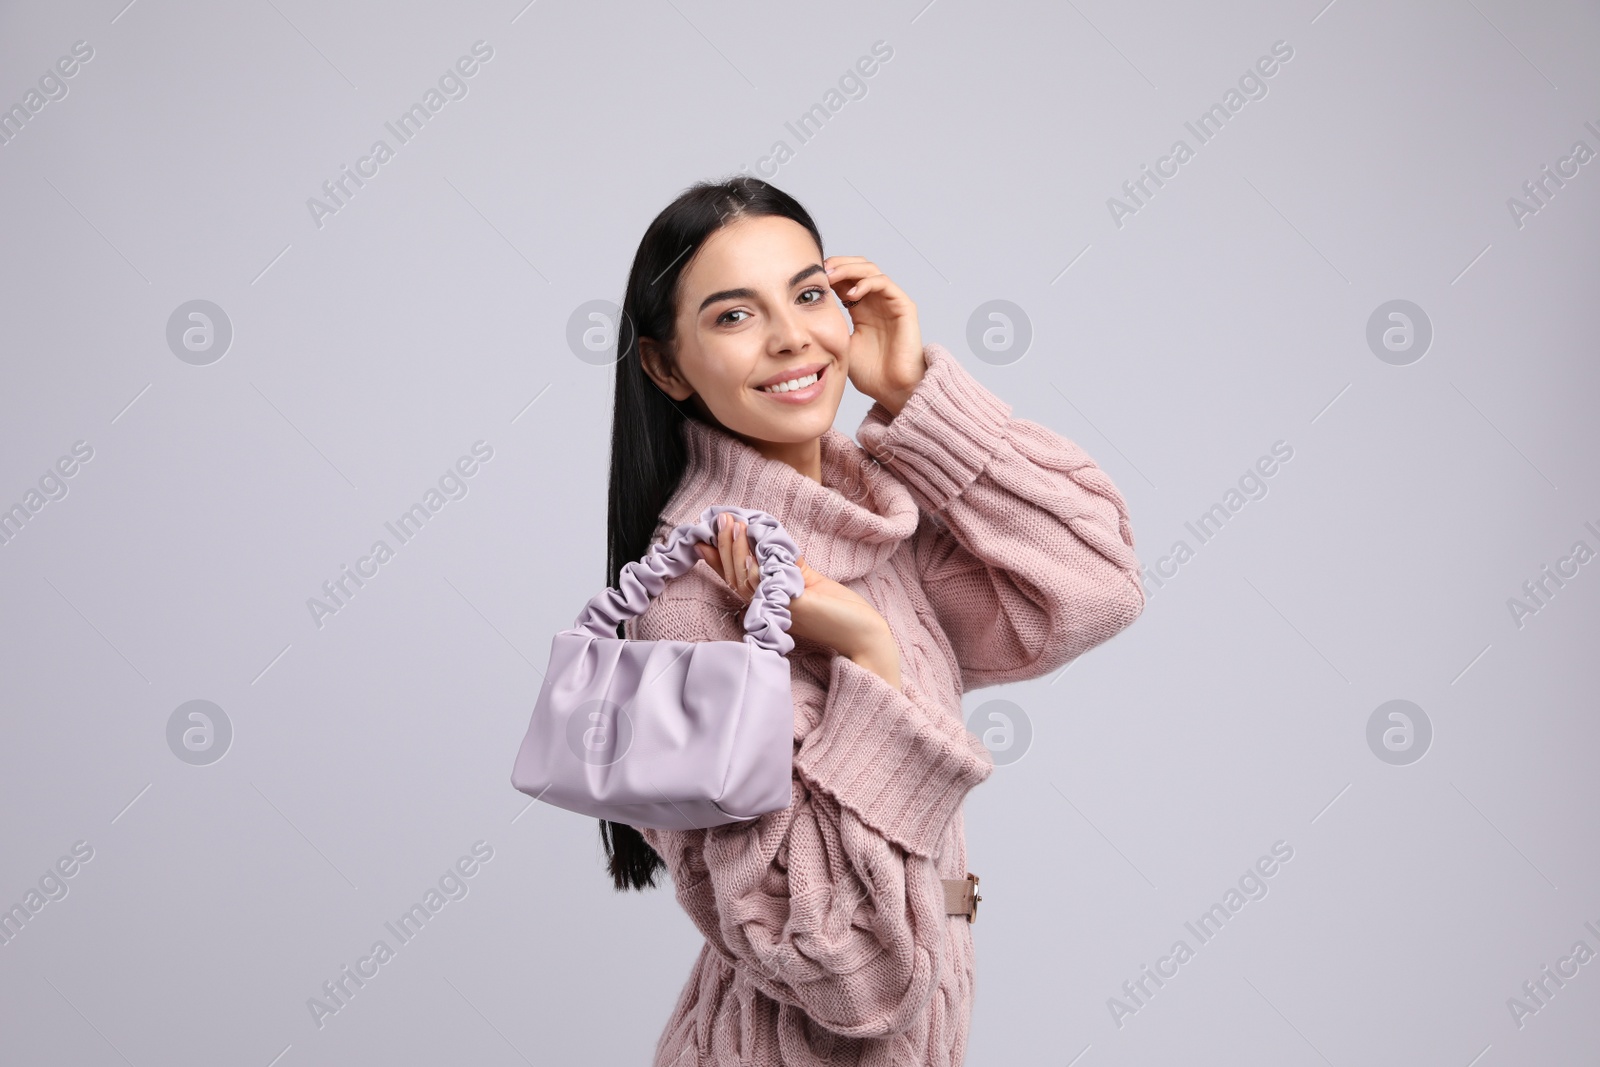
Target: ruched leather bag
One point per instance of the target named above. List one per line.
(670, 735)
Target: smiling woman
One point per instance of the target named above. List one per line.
(732, 345)
(955, 547)
(728, 348)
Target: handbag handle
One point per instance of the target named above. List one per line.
(766, 621)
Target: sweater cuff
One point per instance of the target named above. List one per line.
(902, 769)
(943, 437)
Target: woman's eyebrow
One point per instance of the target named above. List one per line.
(747, 294)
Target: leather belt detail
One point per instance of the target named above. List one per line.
(961, 896)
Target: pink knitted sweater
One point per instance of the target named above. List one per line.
(997, 551)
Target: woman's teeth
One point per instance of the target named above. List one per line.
(790, 386)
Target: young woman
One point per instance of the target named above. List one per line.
(959, 548)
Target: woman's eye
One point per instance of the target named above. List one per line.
(817, 294)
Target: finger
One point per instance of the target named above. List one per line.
(735, 571)
(852, 291)
(888, 296)
(736, 558)
(860, 287)
(848, 275)
(836, 263)
(752, 570)
(741, 556)
(713, 551)
(725, 546)
(847, 272)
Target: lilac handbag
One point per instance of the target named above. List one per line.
(671, 735)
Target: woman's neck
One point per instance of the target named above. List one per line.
(803, 456)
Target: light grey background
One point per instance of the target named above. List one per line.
(368, 354)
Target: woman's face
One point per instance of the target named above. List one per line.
(755, 309)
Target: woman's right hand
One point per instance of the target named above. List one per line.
(826, 612)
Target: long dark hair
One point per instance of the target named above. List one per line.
(649, 455)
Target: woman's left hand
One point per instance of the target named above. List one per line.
(886, 360)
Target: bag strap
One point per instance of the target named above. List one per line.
(766, 621)
(961, 896)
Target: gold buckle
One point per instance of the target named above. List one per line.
(972, 916)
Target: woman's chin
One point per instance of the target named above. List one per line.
(792, 427)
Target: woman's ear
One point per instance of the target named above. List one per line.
(661, 371)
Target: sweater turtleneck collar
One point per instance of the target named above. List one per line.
(847, 526)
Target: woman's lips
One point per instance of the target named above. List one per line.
(799, 396)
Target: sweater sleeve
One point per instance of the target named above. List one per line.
(1025, 552)
(832, 905)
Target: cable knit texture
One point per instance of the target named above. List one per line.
(997, 551)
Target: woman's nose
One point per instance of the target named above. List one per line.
(789, 333)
